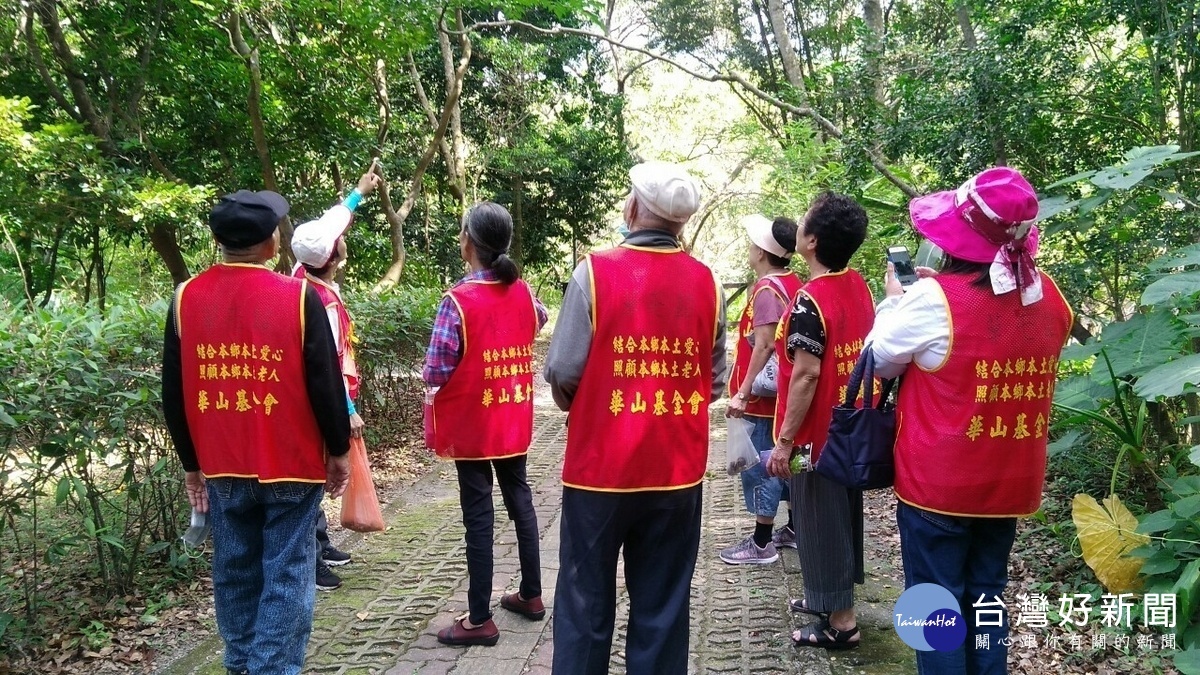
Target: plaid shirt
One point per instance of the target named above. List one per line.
(445, 344)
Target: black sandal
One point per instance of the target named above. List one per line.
(801, 606)
(826, 636)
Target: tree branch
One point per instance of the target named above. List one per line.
(824, 124)
(397, 216)
(47, 12)
(35, 54)
(249, 55)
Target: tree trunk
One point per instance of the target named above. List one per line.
(162, 239)
(516, 248)
(396, 217)
(254, 110)
(787, 54)
(995, 134)
(873, 51)
(964, 24)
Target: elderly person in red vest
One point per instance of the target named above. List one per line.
(978, 346)
(768, 301)
(319, 247)
(479, 369)
(637, 355)
(253, 400)
(817, 347)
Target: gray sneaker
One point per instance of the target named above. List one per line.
(784, 538)
(748, 553)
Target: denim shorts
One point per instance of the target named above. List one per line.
(762, 492)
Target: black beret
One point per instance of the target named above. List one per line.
(245, 218)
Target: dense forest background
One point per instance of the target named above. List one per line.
(122, 121)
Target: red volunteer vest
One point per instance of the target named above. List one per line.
(639, 420)
(331, 298)
(847, 312)
(972, 432)
(759, 406)
(485, 409)
(241, 332)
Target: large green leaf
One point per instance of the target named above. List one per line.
(1179, 283)
(1188, 662)
(1052, 206)
(1080, 352)
(1078, 392)
(1068, 181)
(1067, 441)
(1152, 154)
(1121, 177)
(1194, 455)
(1170, 379)
(1182, 257)
(1136, 345)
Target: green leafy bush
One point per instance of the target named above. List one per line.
(392, 330)
(1140, 394)
(86, 470)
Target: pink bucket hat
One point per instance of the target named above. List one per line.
(988, 219)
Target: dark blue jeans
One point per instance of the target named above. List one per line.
(762, 492)
(659, 533)
(968, 557)
(264, 567)
(475, 496)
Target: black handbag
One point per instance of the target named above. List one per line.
(858, 450)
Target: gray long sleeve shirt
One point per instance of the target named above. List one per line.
(572, 339)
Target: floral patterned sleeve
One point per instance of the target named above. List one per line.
(806, 331)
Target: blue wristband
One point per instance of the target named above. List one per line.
(353, 199)
(350, 405)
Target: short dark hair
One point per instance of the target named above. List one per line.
(783, 229)
(840, 225)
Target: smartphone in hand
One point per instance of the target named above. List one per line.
(905, 272)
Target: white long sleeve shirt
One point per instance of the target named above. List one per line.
(914, 327)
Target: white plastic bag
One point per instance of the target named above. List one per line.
(740, 453)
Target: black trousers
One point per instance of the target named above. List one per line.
(660, 533)
(322, 534)
(475, 495)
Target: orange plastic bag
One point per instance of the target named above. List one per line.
(360, 503)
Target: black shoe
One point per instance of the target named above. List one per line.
(327, 580)
(334, 557)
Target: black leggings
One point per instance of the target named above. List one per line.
(475, 495)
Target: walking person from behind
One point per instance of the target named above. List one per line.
(319, 247)
(768, 300)
(637, 355)
(479, 371)
(978, 346)
(819, 345)
(254, 402)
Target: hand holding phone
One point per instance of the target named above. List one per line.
(905, 272)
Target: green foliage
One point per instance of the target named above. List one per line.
(1148, 365)
(85, 469)
(393, 330)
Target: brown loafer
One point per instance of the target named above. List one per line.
(457, 634)
(532, 608)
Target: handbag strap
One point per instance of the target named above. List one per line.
(864, 369)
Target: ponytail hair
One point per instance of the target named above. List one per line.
(490, 227)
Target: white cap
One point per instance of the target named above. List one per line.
(666, 190)
(760, 230)
(315, 242)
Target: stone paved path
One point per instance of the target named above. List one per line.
(409, 581)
